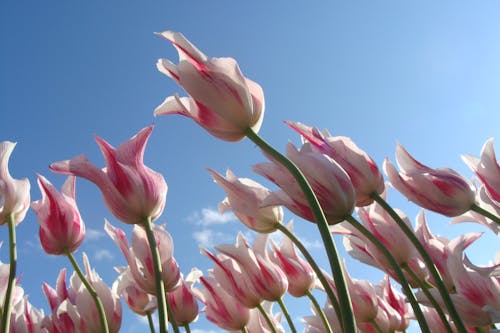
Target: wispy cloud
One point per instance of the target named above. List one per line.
(94, 234)
(103, 254)
(209, 216)
(209, 237)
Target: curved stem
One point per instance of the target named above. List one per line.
(319, 274)
(455, 317)
(266, 317)
(347, 314)
(432, 300)
(150, 322)
(397, 271)
(485, 213)
(7, 305)
(187, 328)
(160, 287)
(171, 317)
(320, 312)
(92, 292)
(287, 315)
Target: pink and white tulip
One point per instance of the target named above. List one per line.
(26, 319)
(137, 300)
(221, 99)
(328, 180)
(441, 190)
(14, 193)
(268, 279)
(363, 171)
(487, 169)
(140, 260)
(301, 277)
(131, 190)
(182, 300)
(61, 227)
(221, 308)
(484, 201)
(244, 199)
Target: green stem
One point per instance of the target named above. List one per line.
(485, 213)
(7, 305)
(187, 328)
(266, 317)
(397, 271)
(425, 289)
(319, 273)
(244, 330)
(150, 322)
(171, 316)
(480, 330)
(287, 315)
(455, 317)
(92, 292)
(160, 287)
(320, 312)
(347, 314)
(377, 327)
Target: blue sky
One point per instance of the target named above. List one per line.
(424, 74)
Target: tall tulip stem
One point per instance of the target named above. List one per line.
(150, 322)
(92, 292)
(287, 315)
(485, 213)
(397, 270)
(267, 318)
(425, 289)
(319, 273)
(347, 314)
(320, 312)
(7, 305)
(459, 324)
(160, 287)
(187, 328)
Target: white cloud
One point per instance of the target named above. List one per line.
(209, 237)
(94, 234)
(315, 244)
(209, 216)
(103, 254)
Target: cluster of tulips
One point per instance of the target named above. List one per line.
(328, 181)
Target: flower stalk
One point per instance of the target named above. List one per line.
(320, 312)
(287, 315)
(7, 305)
(347, 314)
(160, 287)
(485, 213)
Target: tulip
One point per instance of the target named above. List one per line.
(438, 247)
(441, 190)
(487, 169)
(25, 318)
(364, 173)
(131, 190)
(61, 227)
(328, 180)
(221, 99)
(244, 198)
(268, 279)
(139, 257)
(182, 300)
(300, 275)
(222, 309)
(485, 202)
(14, 193)
(136, 299)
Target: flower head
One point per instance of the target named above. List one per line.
(14, 193)
(441, 190)
(131, 190)
(221, 99)
(61, 226)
